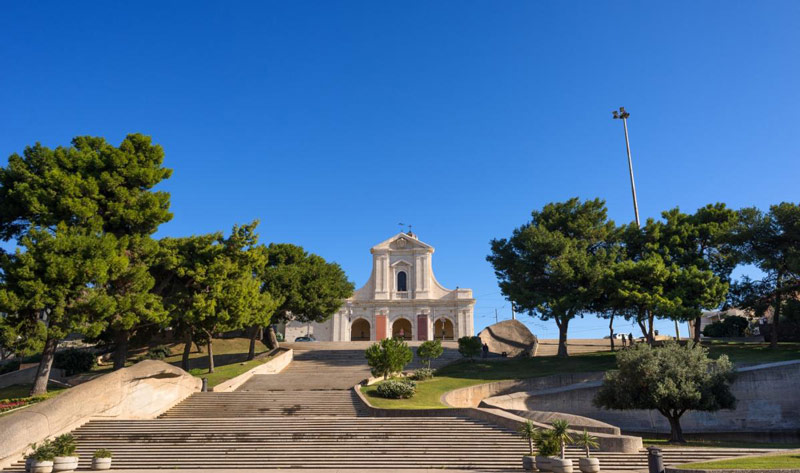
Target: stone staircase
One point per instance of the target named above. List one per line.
(308, 417)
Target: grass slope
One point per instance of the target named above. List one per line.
(769, 462)
(466, 373)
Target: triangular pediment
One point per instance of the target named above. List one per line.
(401, 241)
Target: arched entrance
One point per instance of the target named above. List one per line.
(443, 330)
(401, 328)
(359, 330)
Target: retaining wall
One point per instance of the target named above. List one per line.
(143, 391)
(280, 360)
(27, 376)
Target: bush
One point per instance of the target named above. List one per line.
(158, 352)
(64, 445)
(397, 389)
(74, 361)
(43, 452)
(9, 366)
(731, 326)
(430, 350)
(388, 356)
(422, 374)
(470, 347)
(102, 453)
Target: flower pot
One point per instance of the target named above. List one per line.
(41, 466)
(557, 465)
(528, 463)
(65, 464)
(101, 463)
(589, 465)
(543, 463)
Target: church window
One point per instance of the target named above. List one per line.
(402, 283)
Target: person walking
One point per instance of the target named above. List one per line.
(624, 340)
(485, 349)
(630, 339)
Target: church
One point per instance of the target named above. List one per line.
(402, 298)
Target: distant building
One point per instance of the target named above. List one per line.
(401, 298)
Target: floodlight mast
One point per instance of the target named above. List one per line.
(623, 115)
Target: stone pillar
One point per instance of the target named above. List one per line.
(380, 326)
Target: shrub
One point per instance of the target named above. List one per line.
(64, 445)
(158, 352)
(44, 452)
(469, 347)
(74, 361)
(422, 374)
(430, 350)
(388, 356)
(397, 389)
(731, 326)
(102, 453)
(9, 366)
(547, 445)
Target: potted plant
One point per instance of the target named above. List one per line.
(547, 448)
(529, 432)
(562, 437)
(42, 456)
(101, 460)
(65, 459)
(588, 464)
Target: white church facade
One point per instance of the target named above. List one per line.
(401, 299)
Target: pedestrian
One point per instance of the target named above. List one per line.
(485, 349)
(630, 339)
(624, 340)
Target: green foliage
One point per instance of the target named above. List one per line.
(528, 431)
(430, 350)
(397, 388)
(561, 435)
(388, 356)
(44, 452)
(671, 379)
(74, 361)
(552, 266)
(64, 445)
(102, 453)
(307, 287)
(158, 352)
(469, 347)
(547, 445)
(422, 374)
(731, 326)
(587, 441)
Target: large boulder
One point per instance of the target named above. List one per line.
(511, 337)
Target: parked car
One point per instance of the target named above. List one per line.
(307, 338)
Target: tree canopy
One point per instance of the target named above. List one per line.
(672, 379)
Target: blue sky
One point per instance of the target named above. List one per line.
(333, 121)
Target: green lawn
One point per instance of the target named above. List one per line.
(22, 390)
(709, 443)
(777, 462)
(230, 359)
(466, 373)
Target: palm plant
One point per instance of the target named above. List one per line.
(587, 441)
(561, 435)
(529, 432)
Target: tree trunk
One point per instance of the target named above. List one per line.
(611, 332)
(253, 335)
(776, 315)
(676, 433)
(43, 372)
(643, 327)
(121, 338)
(187, 350)
(677, 331)
(210, 354)
(651, 338)
(271, 339)
(696, 334)
(562, 338)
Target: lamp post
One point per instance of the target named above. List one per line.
(623, 115)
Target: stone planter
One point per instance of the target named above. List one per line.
(589, 465)
(65, 464)
(528, 463)
(543, 463)
(101, 463)
(558, 465)
(42, 467)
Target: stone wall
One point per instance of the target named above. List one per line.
(27, 375)
(767, 398)
(143, 391)
(280, 360)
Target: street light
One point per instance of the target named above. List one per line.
(623, 115)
